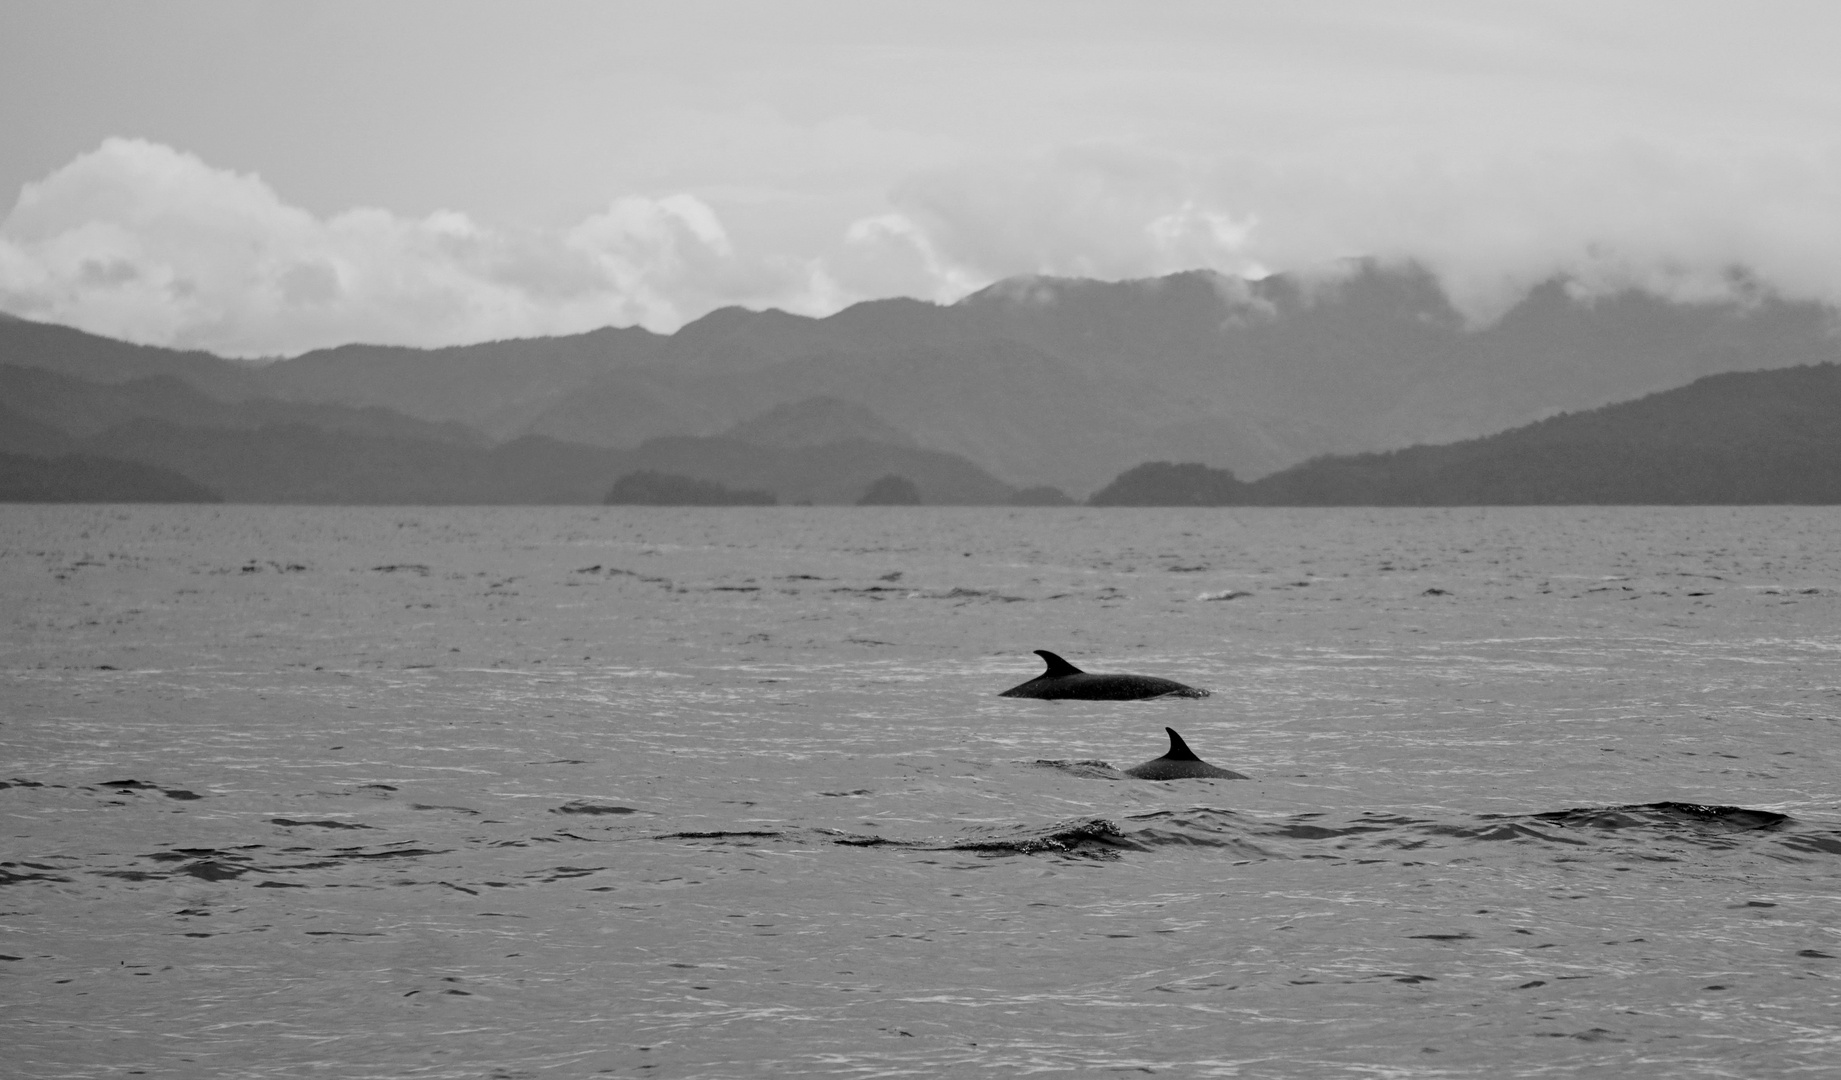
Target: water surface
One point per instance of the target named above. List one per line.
(518, 792)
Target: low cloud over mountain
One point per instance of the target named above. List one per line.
(148, 243)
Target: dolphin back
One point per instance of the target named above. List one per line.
(1063, 680)
(1180, 763)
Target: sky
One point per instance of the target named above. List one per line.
(258, 178)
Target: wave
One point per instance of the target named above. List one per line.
(1625, 835)
(1650, 832)
(1655, 832)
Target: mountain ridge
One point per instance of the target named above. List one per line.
(159, 434)
(1056, 381)
(1735, 438)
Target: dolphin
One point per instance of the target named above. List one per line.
(1180, 763)
(1064, 680)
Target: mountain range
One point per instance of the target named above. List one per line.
(1033, 383)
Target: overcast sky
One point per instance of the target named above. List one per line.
(263, 178)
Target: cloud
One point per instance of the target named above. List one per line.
(1087, 211)
(147, 243)
(140, 241)
(1690, 224)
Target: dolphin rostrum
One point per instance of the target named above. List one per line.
(1064, 680)
(1180, 763)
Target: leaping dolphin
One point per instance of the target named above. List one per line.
(1180, 763)
(1064, 680)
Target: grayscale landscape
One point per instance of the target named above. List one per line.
(716, 539)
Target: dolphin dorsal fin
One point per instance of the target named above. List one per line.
(1179, 750)
(1057, 667)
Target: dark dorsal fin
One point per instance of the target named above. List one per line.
(1057, 667)
(1179, 750)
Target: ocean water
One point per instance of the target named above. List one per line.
(510, 792)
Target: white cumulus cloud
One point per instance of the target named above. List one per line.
(143, 242)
